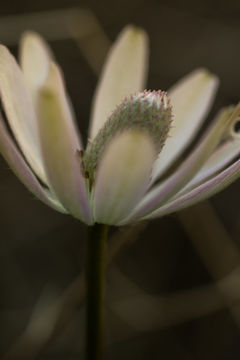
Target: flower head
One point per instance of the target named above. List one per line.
(127, 172)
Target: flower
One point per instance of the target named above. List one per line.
(127, 172)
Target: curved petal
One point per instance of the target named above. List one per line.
(222, 156)
(60, 145)
(18, 165)
(19, 110)
(123, 175)
(123, 74)
(201, 192)
(173, 184)
(35, 59)
(216, 162)
(191, 99)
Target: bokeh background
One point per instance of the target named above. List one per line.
(173, 291)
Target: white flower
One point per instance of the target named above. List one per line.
(123, 176)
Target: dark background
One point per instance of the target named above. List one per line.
(164, 298)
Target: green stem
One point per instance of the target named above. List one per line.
(96, 245)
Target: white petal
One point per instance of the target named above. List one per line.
(18, 165)
(35, 58)
(162, 192)
(60, 145)
(123, 74)
(226, 152)
(122, 176)
(216, 162)
(191, 99)
(19, 110)
(201, 192)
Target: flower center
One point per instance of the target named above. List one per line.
(148, 111)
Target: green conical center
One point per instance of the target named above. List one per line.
(148, 111)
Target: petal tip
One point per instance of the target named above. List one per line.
(135, 33)
(207, 75)
(30, 35)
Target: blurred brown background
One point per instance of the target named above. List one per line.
(175, 291)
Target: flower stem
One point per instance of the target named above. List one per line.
(96, 245)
